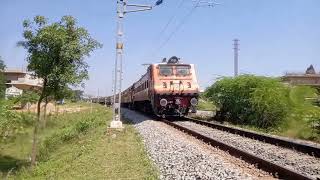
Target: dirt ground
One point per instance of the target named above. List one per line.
(51, 108)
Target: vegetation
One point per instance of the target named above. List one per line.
(56, 55)
(26, 97)
(2, 79)
(205, 104)
(252, 100)
(11, 123)
(76, 146)
(267, 104)
(304, 120)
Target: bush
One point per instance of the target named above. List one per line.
(10, 122)
(251, 100)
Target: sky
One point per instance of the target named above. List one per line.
(275, 36)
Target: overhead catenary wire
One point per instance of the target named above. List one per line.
(174, 15)
(165, 27)
(182, 22)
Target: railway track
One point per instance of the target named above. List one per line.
(300, 147)
(261, 163)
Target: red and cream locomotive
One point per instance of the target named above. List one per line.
(166, 89)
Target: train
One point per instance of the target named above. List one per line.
(169, 88)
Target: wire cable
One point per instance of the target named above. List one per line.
(184, 20)
(171, 19)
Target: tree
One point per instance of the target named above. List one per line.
(2, 79)
(56, 54)
(27, 96)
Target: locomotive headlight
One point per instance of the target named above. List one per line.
(193, 101)
(163, 102)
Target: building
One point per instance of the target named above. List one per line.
(309, 78)
(19, 80)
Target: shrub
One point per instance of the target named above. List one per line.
(269, 103)
(10, 122)
(252, 100)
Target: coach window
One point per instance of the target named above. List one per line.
(182, 70)
(165, 70)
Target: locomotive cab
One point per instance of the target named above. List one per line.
(175, 88)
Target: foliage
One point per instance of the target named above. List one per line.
(70, 94)
(265, 104)
(205, 105)
(2, 79)
(248, 99)
(27, 97)
(77, 95)
(12, 123)
(57, 51)
(56, 54)
(2, 65)
(304, 120)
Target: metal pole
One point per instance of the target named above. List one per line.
(120, 86)
(121, 11)
(116, 121)
(236, 49)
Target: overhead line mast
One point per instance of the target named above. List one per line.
(236, 55)
(121, 11)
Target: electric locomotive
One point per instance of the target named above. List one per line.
(169, 88)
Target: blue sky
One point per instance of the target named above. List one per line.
(275, 36)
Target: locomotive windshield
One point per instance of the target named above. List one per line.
(166, 70)
(182, 70)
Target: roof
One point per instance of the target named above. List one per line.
(302, 75)
(14, 71)
(23, 85)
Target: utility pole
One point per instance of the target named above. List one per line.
(121, 12)
(236, 50)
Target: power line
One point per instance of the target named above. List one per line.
(174, 14)
(184, 20)
(160, 34)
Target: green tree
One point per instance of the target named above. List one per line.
(56, 53)
(27, 97)
(2, 79)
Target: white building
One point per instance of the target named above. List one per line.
(19, 80)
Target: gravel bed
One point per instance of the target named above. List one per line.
(202, 114)
(307, 142)
(300, 162)
(179, 157)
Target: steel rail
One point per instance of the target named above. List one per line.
(276, 170)
(304, 148)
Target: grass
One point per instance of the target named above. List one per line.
(206, 105)
(77, 146)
